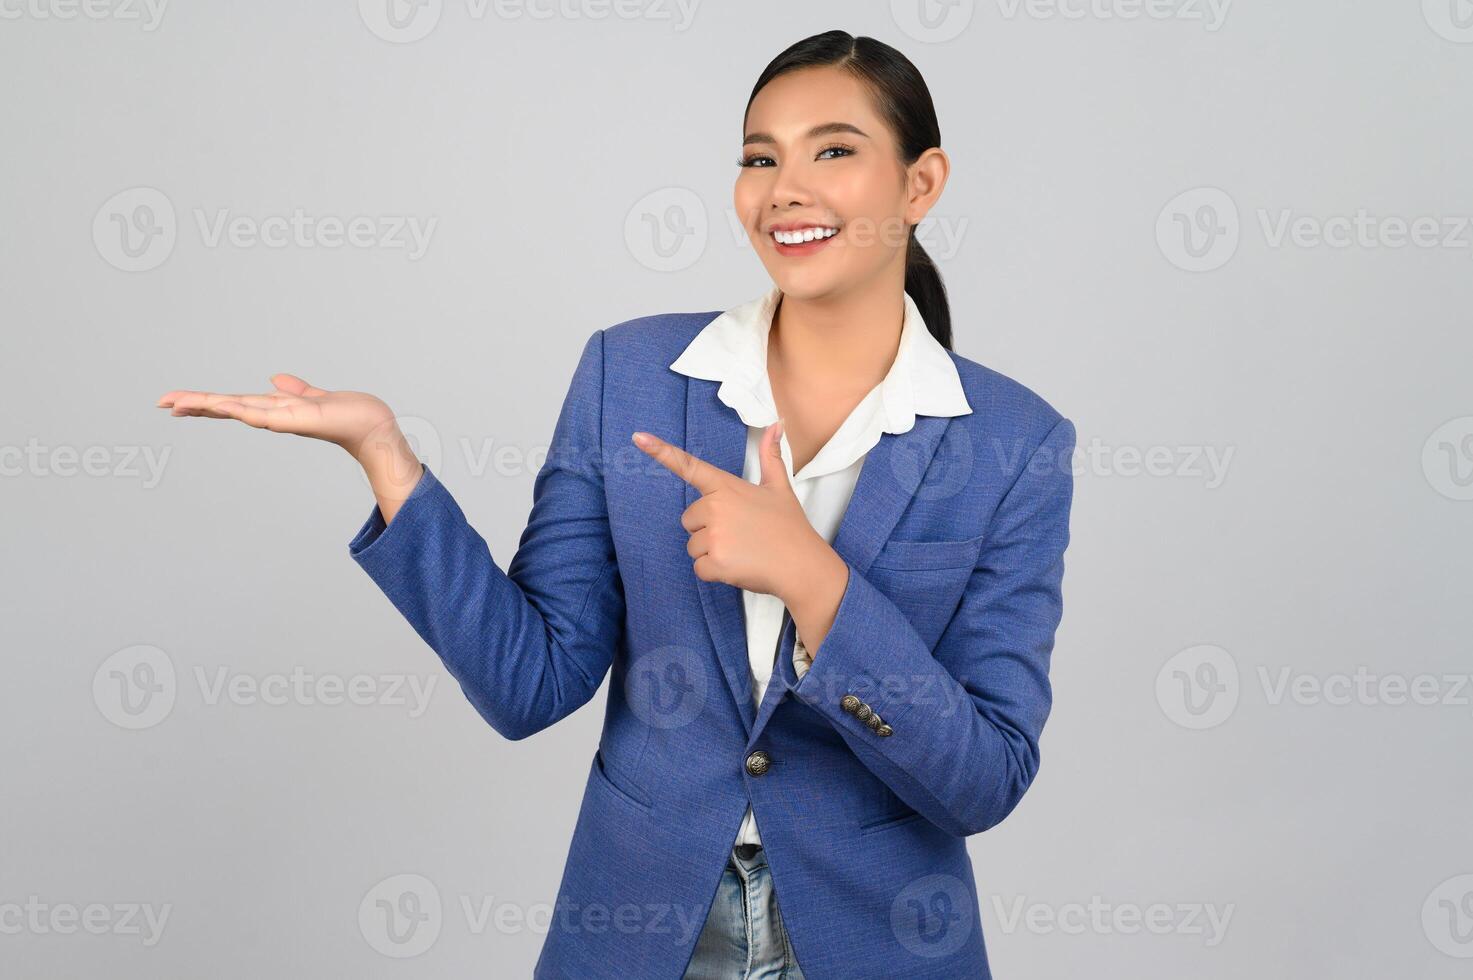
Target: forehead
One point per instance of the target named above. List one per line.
(789, 105)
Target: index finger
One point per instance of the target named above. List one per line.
(693, 470)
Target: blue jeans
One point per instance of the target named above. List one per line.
(744, 938)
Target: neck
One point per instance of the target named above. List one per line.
(843, 344)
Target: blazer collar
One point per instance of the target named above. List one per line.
(732, 351)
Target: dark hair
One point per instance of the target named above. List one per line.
(905, 103)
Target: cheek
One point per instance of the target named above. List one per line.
(746, 198)
(871, 212)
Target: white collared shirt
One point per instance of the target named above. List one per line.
(732, 349)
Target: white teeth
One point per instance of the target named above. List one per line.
(803, 235)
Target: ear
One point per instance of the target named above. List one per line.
(927, 179)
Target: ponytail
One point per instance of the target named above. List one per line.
(923, 283)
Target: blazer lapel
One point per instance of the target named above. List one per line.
(717, 434)
(888, 481)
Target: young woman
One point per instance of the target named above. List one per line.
(826, 581)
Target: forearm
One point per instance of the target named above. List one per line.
(953, 726)
(960, 753)
(528, 645)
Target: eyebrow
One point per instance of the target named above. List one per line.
(822, 129)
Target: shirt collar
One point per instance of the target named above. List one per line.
(923, 380)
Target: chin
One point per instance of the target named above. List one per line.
(805, 285)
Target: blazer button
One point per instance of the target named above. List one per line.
(758, 762)
(863, 712)
(884, 731)
(850, 703)
(874, 722)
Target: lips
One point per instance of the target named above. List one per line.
(801, 240)
(802, 233)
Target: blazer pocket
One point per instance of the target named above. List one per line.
(889, 821)
(918, 555)
(605, 776)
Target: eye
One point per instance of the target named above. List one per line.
(760, 160)
(839, 147)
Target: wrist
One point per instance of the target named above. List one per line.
(816, 582)
(389, 462)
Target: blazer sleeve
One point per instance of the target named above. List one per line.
(529, 645)
(965, 720)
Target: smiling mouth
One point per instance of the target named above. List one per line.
(802, 241)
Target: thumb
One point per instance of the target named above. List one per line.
(774, 472)
(293, 385)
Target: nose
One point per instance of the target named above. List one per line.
(790, 188)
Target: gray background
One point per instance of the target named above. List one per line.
(1334, 831)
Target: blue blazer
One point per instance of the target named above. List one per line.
(955, 540)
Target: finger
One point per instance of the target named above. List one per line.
(293, 385)
(197, 412)
(208, 399)
(197, 404)
(169, 398)
(698, 544)
(697, 472)
(273, 400)
(279, 419)
(696, 516)
(706, 570)
(770, 455)
(185, 396)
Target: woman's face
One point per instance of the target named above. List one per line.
(817, 156)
